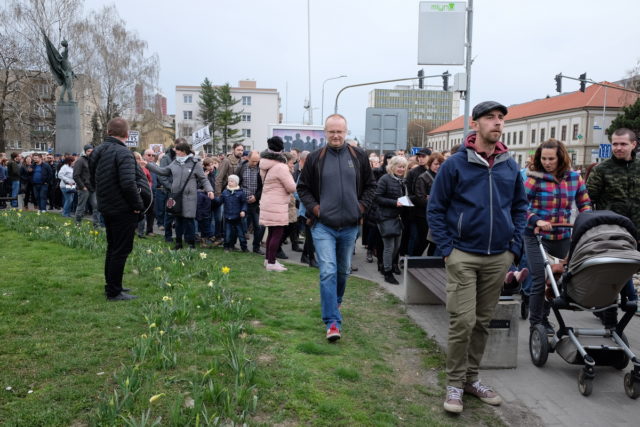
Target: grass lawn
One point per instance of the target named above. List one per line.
(201, 346)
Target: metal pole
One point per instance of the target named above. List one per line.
(309, 58)
(467, 95)
(326, 80)
(604, 109)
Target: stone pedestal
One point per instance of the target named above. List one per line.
(68, 135)
(502, 346)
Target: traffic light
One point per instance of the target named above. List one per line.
(421, 78)
(583, 81)
(445, 81)
(559, 83)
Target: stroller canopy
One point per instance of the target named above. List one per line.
(585, 221)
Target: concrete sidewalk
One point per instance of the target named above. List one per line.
(546, 396)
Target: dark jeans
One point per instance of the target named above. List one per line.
(120, 232)
(253, 217)
(205, 227)
(538, 308)
(160, 205)
(41, 191)
(308, 249)
(217, 218)
(417, 236)
(185, 227)
(233, 229)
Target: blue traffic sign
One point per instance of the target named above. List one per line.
(605, 151)
(414, 150)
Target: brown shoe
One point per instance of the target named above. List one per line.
(453, 402)
(482, 392)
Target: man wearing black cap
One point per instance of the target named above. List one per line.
(477, 213)
(417, 236)
(86, 192)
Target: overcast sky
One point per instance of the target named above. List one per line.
(518, 46)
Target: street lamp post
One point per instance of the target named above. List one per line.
(326, 80)
(423, 129)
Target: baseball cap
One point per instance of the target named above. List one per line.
(486, 107)
(424, 152)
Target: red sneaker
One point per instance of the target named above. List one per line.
(333, 333)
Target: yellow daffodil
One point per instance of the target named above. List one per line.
(166, 298)
(168, 284)
(158, 268)
(143, 336)
(155, 397)
(210, 284)
(161, 332)
(153, 325)
(203, 255)
(225, 270)
(149, 251)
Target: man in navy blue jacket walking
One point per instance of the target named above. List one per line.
(477, 213)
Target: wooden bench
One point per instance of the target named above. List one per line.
(425, 282)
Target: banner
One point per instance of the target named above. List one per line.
(200, 138)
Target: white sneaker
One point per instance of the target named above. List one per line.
(275, 267)
(265, 263)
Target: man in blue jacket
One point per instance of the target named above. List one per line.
(477, 213)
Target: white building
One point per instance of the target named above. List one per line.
(258, 107)
(578, 119)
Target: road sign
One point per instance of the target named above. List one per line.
(134, 138)
(597, 127)
(605, 151)
(386, 129)
(594, 155)
(414, 150)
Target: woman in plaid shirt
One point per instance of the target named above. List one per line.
(552, 188)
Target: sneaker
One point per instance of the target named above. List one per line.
(333, 333)
(482, 392)
(276, 267)
(265, 263)
(369, 256)
(122, 297)
(453, 402)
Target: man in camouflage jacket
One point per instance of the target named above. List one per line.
(615, 185)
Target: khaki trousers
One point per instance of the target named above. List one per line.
(474, 283)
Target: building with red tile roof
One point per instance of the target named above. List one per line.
(579, 119)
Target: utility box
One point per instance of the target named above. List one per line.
(501, 350)
(460, 82)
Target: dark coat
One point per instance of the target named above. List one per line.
(82, 174)
(114, 174)
(240, 171)
(388, 191)
(47, 173)
(234, 202)
(422, 189)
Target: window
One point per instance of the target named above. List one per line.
(42, 127)
(246, 100)
(552, 133)
(40, 146)
(188, 115)
(43, 90)
(520, 159)
(521, 137)
(245, 117)
(533, 136)
(188, 99)
(563, 133)
(574, 136)
(508, 138)
(542, 131)
(186, 131)
(246, 133)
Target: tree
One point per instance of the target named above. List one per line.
(629, 118)
(116, 59)
(227, 117)
(209, 105)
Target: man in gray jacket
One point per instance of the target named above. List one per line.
(336, 207)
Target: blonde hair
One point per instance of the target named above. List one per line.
(394, 162)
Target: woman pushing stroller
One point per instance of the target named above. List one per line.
(552, 188)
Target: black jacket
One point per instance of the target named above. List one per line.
(310, 180)
(240, 171)
(113, 175)
(82, 174)
(422, 188)
(388, 191)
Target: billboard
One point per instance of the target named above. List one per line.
(441, 33)
(304, 138)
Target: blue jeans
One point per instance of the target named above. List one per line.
(41, 190)
(334, 248)
(233, 228)
(160, 205)
(15, 190)
(68, 196)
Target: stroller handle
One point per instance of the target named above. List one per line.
(536, 230)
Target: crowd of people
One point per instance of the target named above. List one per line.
(473, 206)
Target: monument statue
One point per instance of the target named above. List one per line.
(60, 67)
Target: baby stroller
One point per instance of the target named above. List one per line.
(603, 256)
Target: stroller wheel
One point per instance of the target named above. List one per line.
(585, 383)
(623, 360)
(524, 309)
(539, 345)
(631, 386)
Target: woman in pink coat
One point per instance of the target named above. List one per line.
(277, 187)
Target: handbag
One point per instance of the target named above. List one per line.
(174, 202)
(390, 227)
